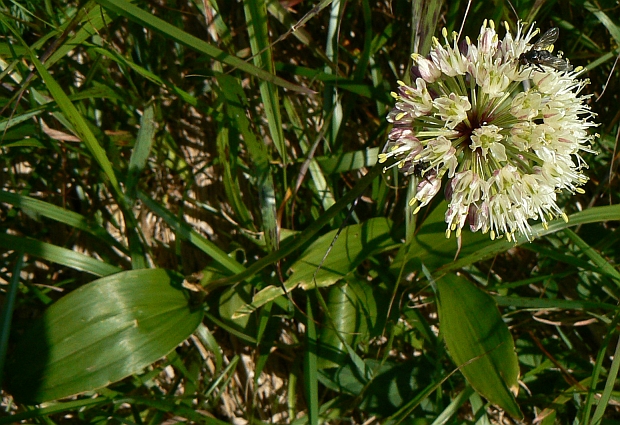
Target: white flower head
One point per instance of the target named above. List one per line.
(505, 151)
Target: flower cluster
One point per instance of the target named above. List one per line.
(507, 137)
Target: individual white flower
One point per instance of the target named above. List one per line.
(526, 105)
(428, 70)
(505, 147)
(452, 109)
(426, 191)
(448, 58)
(486, 138)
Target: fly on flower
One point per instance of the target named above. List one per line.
(540, 55)
(419, 169)
(502, 150)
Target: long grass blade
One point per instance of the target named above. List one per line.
(58, 255)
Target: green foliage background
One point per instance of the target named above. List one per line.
(194, 228)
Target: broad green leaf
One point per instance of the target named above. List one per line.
(393, 384)
(101, 333)
(343, 307)
(323, 265)
(479, 341)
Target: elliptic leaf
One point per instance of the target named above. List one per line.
(313, 268)
(344, 324)
(479, 341)
(325, 261)
(101, 333)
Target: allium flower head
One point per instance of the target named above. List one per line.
(505, 137)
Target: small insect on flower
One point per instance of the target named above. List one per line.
(540, 55)
(419, 169)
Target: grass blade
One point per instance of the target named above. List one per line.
(58, 255)
(256, 18)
